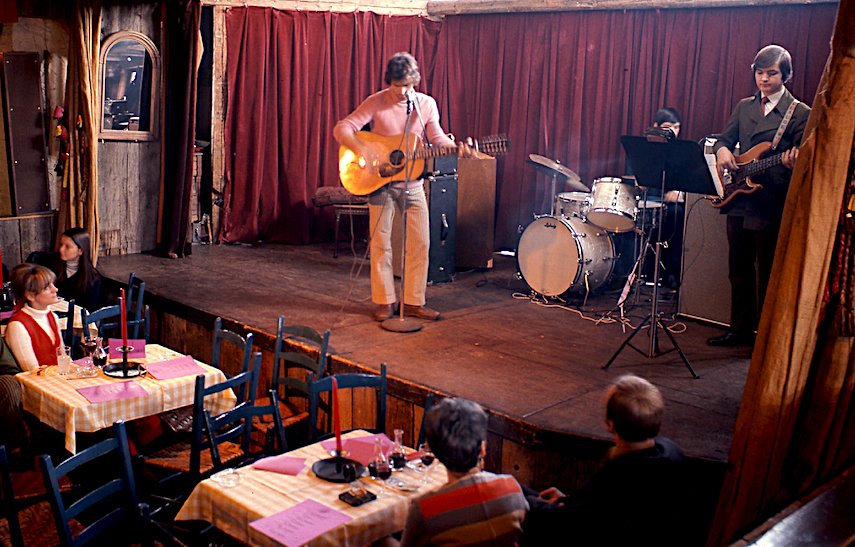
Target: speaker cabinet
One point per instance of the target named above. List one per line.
(705, 289)
(443, 228)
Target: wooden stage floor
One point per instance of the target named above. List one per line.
(494, 344)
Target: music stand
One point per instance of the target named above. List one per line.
(667, 165)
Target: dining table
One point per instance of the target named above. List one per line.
(60, 401)
(254, 495)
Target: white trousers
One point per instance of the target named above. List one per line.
(383, 205)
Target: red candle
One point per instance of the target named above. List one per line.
(336, 420)
(124, 319)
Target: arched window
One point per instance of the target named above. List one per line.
(130, 88)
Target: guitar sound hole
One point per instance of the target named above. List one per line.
(396, 158)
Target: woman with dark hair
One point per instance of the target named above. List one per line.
(76, 277)
(475, 507)
(33, 332)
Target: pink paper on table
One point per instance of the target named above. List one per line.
(286, 465)
(113, 391)
(175, 368)
(137, 353)
(301, 523)
(361, 449)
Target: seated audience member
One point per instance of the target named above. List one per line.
(12, 433)
(474, 507)
(636, 497)
(76, 277)
(33, 332)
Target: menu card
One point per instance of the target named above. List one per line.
(286, 465)
(112, 391)
(301, 523)
(137, 353)
(174, 368)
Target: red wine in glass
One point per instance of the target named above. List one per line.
(372, 469)
(89, 345)
(399, 459)
(384, 471)
(427, 458)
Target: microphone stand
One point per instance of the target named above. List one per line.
(400, 324)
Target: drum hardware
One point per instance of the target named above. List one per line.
(673, 165)
(555, 171)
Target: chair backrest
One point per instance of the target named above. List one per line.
(347, 381)
(245, 381)
(242, 343)
(422, 432)
(284, 385)
(121, 491)
(68, 333)
(7, 501)
(238, 423)
(100, 317)
(138, 314)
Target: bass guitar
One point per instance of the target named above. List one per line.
(361, 177)
(750, 163)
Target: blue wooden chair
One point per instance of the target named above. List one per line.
(186, 462)
(347, 381)
(138, 313)
(101, 319)
(115, 501)
(7, 501)
(422, 432)
(68, 333)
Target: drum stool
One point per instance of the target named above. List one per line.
(343, 202)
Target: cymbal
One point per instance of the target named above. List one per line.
(552, 168)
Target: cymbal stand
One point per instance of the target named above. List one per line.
(655, 318)
(552, 183)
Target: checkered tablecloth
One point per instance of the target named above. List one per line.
(260, 494)
(56, 402)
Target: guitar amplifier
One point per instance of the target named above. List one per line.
(442, 207)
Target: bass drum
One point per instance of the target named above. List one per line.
(557, 255)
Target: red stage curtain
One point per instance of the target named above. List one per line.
(291, 77)
(568, 85)
(562, 85)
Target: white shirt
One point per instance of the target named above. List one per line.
(19, 341)
(774, 98)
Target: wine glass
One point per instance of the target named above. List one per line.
(90, 343)
(427, 458)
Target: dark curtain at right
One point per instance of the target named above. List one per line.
(568, 85)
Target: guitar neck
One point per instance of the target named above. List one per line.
(492, 147)
(761, 165)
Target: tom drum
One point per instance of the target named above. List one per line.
(572, 204)
(613, 205)
(556, 255)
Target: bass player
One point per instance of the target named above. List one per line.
(753, 219)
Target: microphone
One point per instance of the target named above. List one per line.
(411, 98)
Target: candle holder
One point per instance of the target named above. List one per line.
(124, 369)
(338, 469)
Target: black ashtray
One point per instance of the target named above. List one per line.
(116, 370)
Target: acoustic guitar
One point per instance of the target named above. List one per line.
(361, 177)
(750, 163)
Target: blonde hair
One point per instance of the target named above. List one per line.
(635, 408)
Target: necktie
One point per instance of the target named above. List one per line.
(763, 102)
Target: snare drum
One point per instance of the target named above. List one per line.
(613, 205)
(572, 204)
(556, 255)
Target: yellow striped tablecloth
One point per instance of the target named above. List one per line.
(54, 399)
(260, 494)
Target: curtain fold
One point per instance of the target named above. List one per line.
(79, 198)
(794, 424)
(182, 56)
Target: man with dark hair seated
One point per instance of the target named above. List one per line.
(474, 507)
(636, 497)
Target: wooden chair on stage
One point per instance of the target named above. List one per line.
(343, 202)
(285, 385)
(114, 503)
(348, 382)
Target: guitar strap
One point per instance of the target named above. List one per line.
(784, 123)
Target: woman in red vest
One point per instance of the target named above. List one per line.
(33, 332)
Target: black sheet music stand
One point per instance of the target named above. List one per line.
(667, 165)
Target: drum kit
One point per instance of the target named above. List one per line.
(572, 249)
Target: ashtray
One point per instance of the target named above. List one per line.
(88, 372)
(227, 478)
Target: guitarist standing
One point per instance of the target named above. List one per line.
(387, 112)
(753, 218)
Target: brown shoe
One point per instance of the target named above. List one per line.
(421, 312)
(385, 311)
